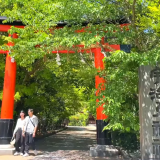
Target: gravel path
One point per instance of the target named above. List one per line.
(71, 144)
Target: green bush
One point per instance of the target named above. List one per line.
(80, 119)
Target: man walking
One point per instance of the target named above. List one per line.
(29, 132)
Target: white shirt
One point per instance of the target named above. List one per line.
(30, 124)
(20, 124)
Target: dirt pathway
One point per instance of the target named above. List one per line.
(71, 144)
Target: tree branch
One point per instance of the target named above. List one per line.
(134, 13)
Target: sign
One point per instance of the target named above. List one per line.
(149, 103)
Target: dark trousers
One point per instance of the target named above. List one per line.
(20, 141)
(29, 141)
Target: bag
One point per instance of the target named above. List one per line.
(32, 122)
(12, 141)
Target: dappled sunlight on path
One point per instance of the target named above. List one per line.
(71, 144)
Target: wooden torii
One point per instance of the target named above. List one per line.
(7, 108)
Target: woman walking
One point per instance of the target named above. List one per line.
(18, 135)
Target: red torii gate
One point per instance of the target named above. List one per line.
(6, 121)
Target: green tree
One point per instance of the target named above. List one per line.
(121, 70)
(102, 19)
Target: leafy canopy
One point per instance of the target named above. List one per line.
(41, 17)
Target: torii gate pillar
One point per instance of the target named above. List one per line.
(6, 121)
(102, 136)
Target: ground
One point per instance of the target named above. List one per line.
(70, 144)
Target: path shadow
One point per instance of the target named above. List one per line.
(71, 139)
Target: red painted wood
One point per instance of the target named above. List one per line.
(3, 52)
(99, 81)
(5, 28)
(115, 47)
(9, 87)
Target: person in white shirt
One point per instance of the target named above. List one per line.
(19, 139)
(29, 132)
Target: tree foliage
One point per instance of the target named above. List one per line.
(54, 92)
(121, 71)
(101, 18)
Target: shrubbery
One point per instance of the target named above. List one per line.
(80, 119)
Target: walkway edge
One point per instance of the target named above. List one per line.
(50, 134)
